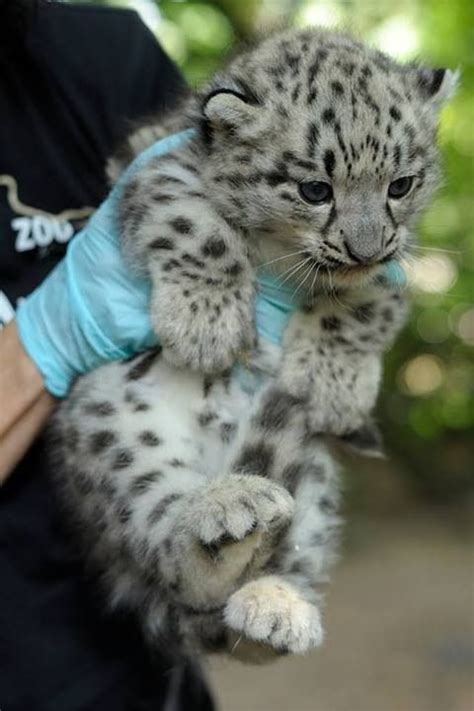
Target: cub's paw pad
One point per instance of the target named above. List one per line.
(272, 611)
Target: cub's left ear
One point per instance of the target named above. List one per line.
(437, 85)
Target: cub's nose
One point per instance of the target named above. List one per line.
(364, 251)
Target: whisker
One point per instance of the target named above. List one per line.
(436, 249)
(292, 268)
(307, 274)
(405, 262)
(333, 292)
(236, 644)
(278, 259)
(314, 282)
(409, 257)
(295, 270)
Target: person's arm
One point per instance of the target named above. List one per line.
(19, 438)
(25, 404)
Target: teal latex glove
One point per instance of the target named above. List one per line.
(274, 306)
(90, 309)
(394, 275)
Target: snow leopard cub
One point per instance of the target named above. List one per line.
(208, 507)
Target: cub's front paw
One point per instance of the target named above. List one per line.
(338, 399)
(333, 418)
(204, 330)
(271, 611)
(340, 407)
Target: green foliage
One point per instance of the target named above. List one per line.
(426, 408)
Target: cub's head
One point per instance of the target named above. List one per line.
(324, 149)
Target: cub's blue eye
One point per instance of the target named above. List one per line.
(399, 188)
(315, 192)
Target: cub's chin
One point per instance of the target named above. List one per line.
(353, 276)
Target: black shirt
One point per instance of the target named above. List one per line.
(66, 100)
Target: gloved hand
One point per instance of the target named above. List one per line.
(91, 308)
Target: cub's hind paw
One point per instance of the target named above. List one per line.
(271, 611)
(232, 508)
(225, 527)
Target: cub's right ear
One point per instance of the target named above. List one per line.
(229, 108)
(436, 86)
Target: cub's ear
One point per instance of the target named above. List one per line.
(229, 107)
(436, 86)
(367, 441)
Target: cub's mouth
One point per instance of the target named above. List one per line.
(354, 270)
(352, 274)
(345, 276)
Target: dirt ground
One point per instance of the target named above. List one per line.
(400, 630)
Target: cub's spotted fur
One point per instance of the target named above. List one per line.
(209, 508)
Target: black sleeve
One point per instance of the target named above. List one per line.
(87, 74)
(156, 82)
(147, 81)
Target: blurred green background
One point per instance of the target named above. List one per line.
(426, 408)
